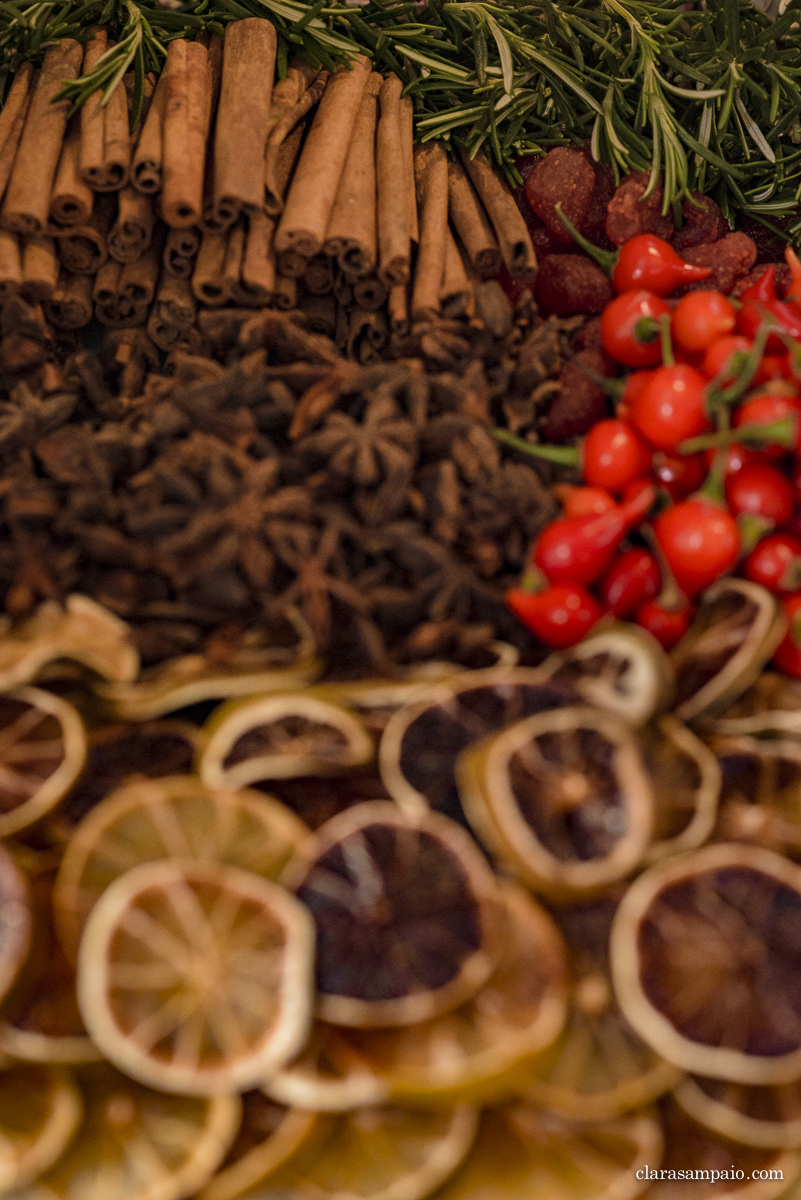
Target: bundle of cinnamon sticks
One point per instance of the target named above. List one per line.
(237, 188)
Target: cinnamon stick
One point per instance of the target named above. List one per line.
(39, 269)
(207, 277)
(27, 200)
(407, 146)
(12, 119)
(130, 234)
(369, 292)
(367, 335)
(173, 312)
(456, 291)
(84, 248)
(291, 263)
(472, 223)
(285, 295)
(180, 251)
(147, 158)
(139, 279)
(72, 199)
(186, 122)
(431, 180)
(105, 155)
(313, 189)
(394, 235)
(71, 305)
(288, 121)
(398, 309)
(278, 172)
(287, 91)
(10, 265)
(318, 278)
(258, 262)
(352, 237)
(507, 220)
(320, 313)
(106, 286)
(232, 265)
(242, 115)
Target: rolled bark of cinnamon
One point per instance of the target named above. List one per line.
(186, 123)
(130, 234)
(287, 91)
(139, 279)
(207, 277)
(285, 295)
(84, 248)
(106, 287)
(394, 237)
(456, 292)
(398, 309)
(431, 179)
(507, 220)
(313, 190)
(291, 264)
(10, 265)
(278, 173)
(147, 158)
(180, 251)
(369, 293)
(352, 236)
(286, 123)
(39, 269)
(472, 224)
(27, 200)
(320, 313)
(367, 335)
(105, 156)
(257, 280)
(173, 312)
(12, 119)
(71, 305)
(407, 145)
(232, 266)
(318, 278)
(242, 116)
(72, 200)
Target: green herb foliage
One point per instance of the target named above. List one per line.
(707, 96)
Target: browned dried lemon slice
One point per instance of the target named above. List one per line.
(563, 797)
(39, 1112)
(379, 1154)
(80, 630)
(753, 1116)
(622, 669)
(738, 626)
(406, 911)
(599, 1067)
(761, 792)
(470, 1054)
(421, 742)
(138, 1144)
(269, 1135)
(772, 705)
(701, 1165)
(15, 920)
(686, 778)
(523, 1154)
(177, 817)
(706, 962)
(278, 736)
(196, 978)
(42, 752)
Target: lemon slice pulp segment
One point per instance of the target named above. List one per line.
(761, 790)
(15, 920)
(39, 1112)
(686, 778)
(270, 1134)
(754, 1116)
(42, 752)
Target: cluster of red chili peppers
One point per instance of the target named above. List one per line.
(697, 475)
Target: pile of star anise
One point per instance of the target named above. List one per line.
(216, 488)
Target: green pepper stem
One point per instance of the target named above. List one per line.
(671, 597)
(783, 431)
(565, 456)
(606, 259)
(667, 346)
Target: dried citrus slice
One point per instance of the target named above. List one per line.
(622, 669)
(472, 1053)
(80, 629)
(686, 778)
(772, 705)
(599, 1067)
(422, 740)
(699, 1164)
(706, 962)
(175, 817)
(523, 1154)
(761, 791)
(42, 752)
(563, 797)
(406, 911)
(196, 978)
(138, 1144)
(39, 1112)
(754, 1116)
(738, 626)
(15, 920)
(39, 1018)
(278, 736)
(379, 1154)
(269, 1135)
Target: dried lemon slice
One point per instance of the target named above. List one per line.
(706, 962)
(521, 1153)
(622, 669)
(42, 752)
(39, 1112)
(754, 1116)
(138, 1144)
(80, 629)
(15, 920)
(195, 977)
(470, 1054)
(686, 778)
(599, 1067)
(761, 792)
(406, 911)
(379, 1154)
(278, 736)
(177, 817)
(563, 797)
(421, 742)
(270, 1134)
(738, 626)
(772, 705)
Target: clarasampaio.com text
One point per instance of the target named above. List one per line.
(652, 1173)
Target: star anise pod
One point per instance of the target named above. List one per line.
(366, 451)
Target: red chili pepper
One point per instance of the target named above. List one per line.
(632, 579)
(578, 549)
(760, 490)
(583, 501)
(775, 562)
(719, 357)
(613, 454)
(667, 625)
(679, 474)
(760, 302)
(700, 540)
(671, 406)
(767, 407)
(559, 616)
(794, 263)
(646, 261)
(630, 328)
(700, 318)
(788, 656)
